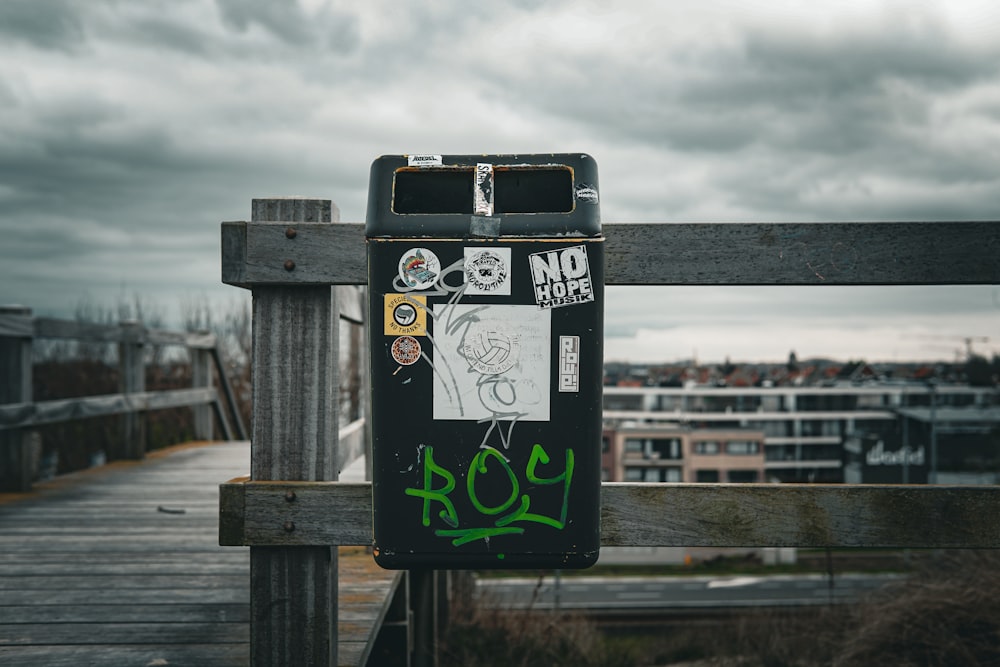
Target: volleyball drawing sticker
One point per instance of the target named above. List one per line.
(487, 271)
(490, 349)
(492, 362)
(419, 268)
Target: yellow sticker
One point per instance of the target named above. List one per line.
(405, 315)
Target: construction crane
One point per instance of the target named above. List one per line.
(968, 340)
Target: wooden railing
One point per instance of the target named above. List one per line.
(292, 252)
(19, 414)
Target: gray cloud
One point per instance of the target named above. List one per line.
(128, 131)
(46, 24)
(285, 20)
(292, 24)
(790, 121)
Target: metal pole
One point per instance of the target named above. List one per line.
(934, 452)
(906, 441)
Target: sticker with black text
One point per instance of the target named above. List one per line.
(487, 271)
(561, 277)
(405, 315)
(423, 160)
(569, 363)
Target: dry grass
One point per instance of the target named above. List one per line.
(486, 636)
(947, 614)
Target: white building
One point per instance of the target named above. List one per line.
(804, 427)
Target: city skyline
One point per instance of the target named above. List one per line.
(131, 131)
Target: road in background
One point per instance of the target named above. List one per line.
(646, 593)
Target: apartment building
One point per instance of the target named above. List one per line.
(675, 453)
(802, 428)
(937, 445)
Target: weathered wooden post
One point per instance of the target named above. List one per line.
(201, 377)
(132, 380)
(16, 332)
(293, 590)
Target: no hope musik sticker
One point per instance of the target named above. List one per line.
(561, 277)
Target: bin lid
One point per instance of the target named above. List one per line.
(483, 196)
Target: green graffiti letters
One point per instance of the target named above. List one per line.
(479, 466)
(429, 494)
(538, 453)
(491, 467)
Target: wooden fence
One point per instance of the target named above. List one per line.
(19, 413)
(292, 252)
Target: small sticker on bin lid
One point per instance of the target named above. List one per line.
(423, 160)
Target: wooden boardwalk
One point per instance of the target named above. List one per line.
(120, 565)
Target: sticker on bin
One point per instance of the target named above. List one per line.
(487, 271)
(569, 363)
(423, 160)
(483, 192)
(405, 350)
(561, 277)
(405, 315)
(493, 364)
(419, 268)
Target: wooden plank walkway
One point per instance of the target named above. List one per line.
(120, 565)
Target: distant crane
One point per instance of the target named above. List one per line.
(968, 340)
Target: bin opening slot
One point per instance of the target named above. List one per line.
(515, 190)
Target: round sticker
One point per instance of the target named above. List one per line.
(489, 350)
(419, 268)
(406, 350)
(485, 271)
(404, 314)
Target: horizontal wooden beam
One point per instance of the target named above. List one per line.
(709, 515)
(835, 253)
(22, 415)
(48, 327)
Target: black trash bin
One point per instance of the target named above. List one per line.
(486, 291)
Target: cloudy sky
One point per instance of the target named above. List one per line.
(130, 130)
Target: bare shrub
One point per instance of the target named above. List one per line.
(947, 614)
(488, 635)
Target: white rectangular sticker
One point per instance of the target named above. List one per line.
(487, 271)
(569, 363)
(491, 363)
(423, 160)
(561, 277)
(483, 194)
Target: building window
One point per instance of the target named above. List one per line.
(780, 453)
(742, 476)
(665, 448)
(817, 427)
(654, 448)
(742, 447)
(770, 403)
(633, 474)
(774, 429)
(706, 476)
(867, 401)
(706, 447)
